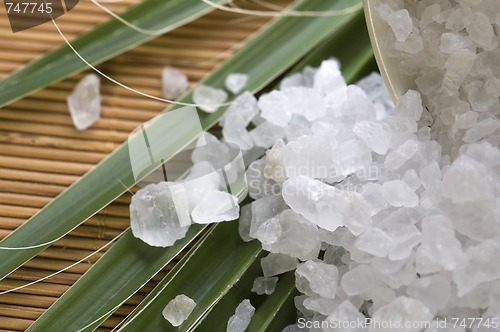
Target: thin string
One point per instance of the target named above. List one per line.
(327, 13)
(67, 267)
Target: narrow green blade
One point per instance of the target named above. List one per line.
(273, 51)
(206, 275)
(100, 44)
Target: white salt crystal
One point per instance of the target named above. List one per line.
(274, 264)
(465, 120)
(238, 135)
(433, 291)
(403, 312)
(264, 285)
(159, 214)
(481, 31)
(320, 278)
(216, 206)
(481, 263)
(399, 157)
(372, 193)
(481, 129)
(265, 134)
(411, 179)
(482, 95)
(412, 45)
(307, 102)
(84, 102)
(328, 77)
(244, 108)
(457, 68)
(439, 244)
(345, 315)
(241, 318)
(174, 83)
(178, 309)
(455, 20)
(430, 175)
(321, 305)
(452, 42)
(405, 238)
(410, 105)
(398, 194)
(360, 279)
(297, 127)
(309, 155)
(326, 206)
(258, 184)
(465, 181)
(276, 108)
(274, 168)
(245, 222)
(236, 82)
(375, 242)
(289, 233)
(401, 24)
(375, 134)
(209, 99)
(350, 157)
(381, 296)
(263, 209)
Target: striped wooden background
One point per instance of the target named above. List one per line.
(41, 153)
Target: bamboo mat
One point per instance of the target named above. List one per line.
(41, 153)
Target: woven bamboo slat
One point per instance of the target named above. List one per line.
(41, 153)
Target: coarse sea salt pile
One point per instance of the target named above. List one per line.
(371, 212)
(390, 212)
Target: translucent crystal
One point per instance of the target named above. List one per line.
(360, 279)
(289, 233)
(433, 291)
(374, 241)
(326, 206)
(209, 99)
(174, 83)
(274, 264)
(452, 42)
(159, 214)
(241, 318)
(275, 107)
(84, 103)
(344, 315)
(264, 209)
(307, 102)
(309, 155)
(374, 134)
(178, 309)
(265, 134)
(398, 193)
(264, 285)
(403, 312)
(216, 206)
(274, 168)
(320, 278)
(236, 82)
(481, 31)
(401, 24)
(245, 222)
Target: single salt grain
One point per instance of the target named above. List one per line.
(178, 309)
(236, 82)
(274, 168)
(318, 277)
(481, 31)
(275, 107)
(452, 42)
(403, 312)
(274, 264)
(360, 279)
(174, 83)
(216, 206)
(159, 214)
(375, 242)
(209, 99)
(245, 222)
(241, 318)
(264, 285)
(85, 102)
(401, 24)
(289, 233)
(346, 312)
(265, 134)
(309, 155)
(399, 194)
(434, 291)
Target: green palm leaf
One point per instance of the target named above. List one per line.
(100, 44)
(276, 48)
(121, 260)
